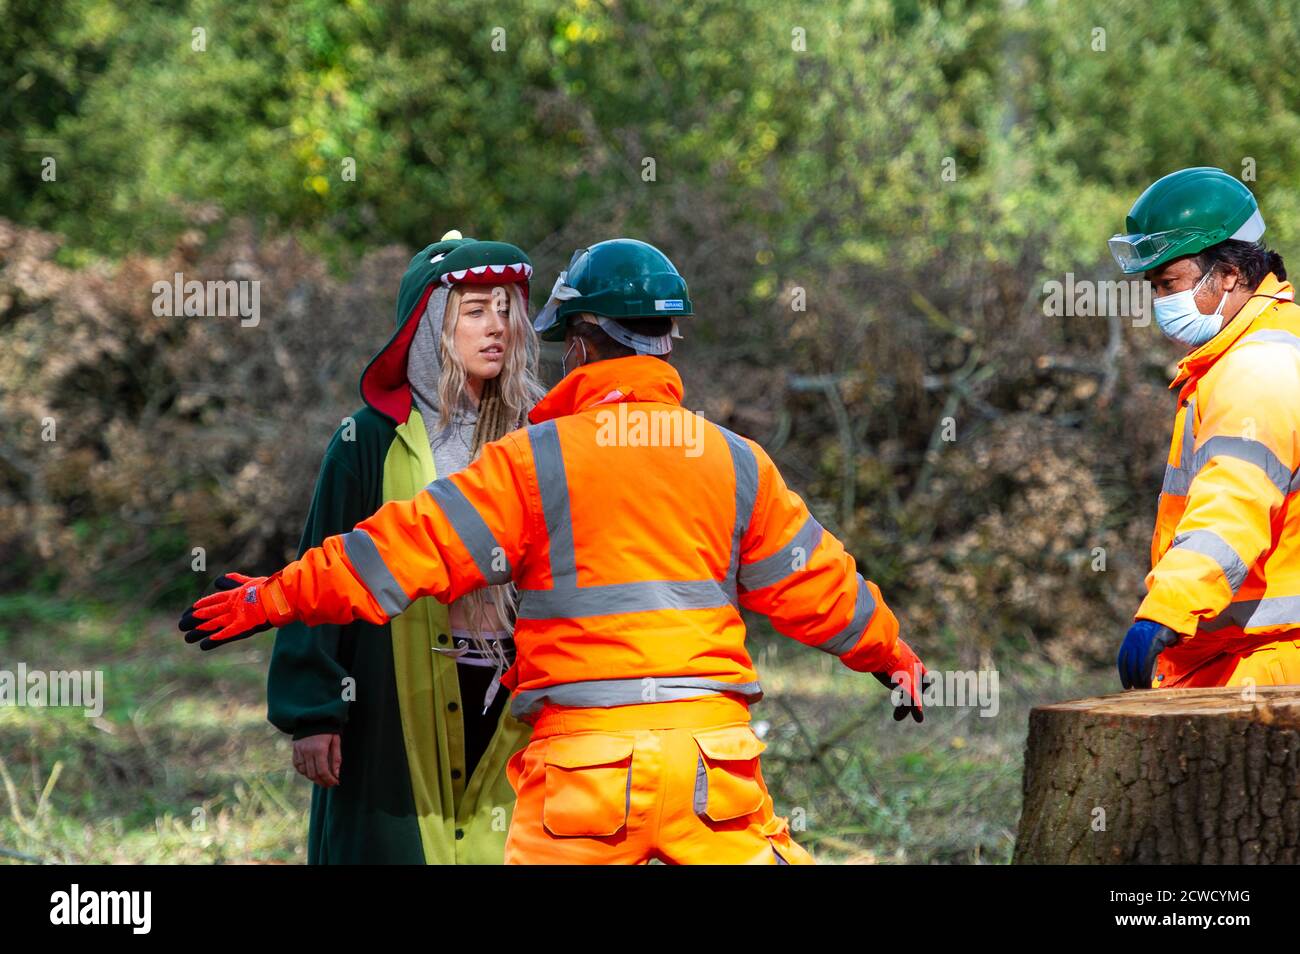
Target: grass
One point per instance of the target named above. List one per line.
(182, 766)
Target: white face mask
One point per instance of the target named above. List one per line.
(1180, 319)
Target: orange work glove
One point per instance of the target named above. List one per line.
(242, 606)
(909, 674)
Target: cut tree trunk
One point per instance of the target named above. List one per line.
(1169, 776)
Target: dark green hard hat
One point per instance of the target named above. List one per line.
(621, 279)
(1184, 213)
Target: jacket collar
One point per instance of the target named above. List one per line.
(1193, 367)
(635, 378)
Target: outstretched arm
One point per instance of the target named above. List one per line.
(799, 575)
(462, 532)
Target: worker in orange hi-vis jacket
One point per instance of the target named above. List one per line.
(1223, 595)
(635, 531)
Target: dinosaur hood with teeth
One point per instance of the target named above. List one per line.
(432, 272)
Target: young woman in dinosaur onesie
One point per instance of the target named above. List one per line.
(401, 726)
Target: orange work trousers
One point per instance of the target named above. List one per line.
(1272, 664)
(677, 781)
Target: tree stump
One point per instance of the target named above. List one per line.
(1169, 776)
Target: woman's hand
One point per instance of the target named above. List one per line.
(319, 758)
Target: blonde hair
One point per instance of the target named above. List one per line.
(503, 406)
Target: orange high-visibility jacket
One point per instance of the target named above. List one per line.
(634, 529)
(1226, 551)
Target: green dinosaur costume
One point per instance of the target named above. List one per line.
(406, 792)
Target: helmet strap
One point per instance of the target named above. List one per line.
(641, 344)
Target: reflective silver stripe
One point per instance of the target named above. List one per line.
(1270, 611)
(641, 596)
(745, 466)
(782, 564)
(370, 566)
(701, 800)
(470, 527)
(606, 693)
(1178, 481)
(1273, 336)
(548, 464)
(848, 637)
(565, 599)
(1253, 452)
(1212, 545)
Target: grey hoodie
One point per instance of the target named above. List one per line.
(451, 446)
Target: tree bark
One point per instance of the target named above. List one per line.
(1169, 776)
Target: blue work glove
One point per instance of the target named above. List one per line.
(1137, 655)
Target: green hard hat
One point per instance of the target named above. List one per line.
(1184, 213)
(622, 279)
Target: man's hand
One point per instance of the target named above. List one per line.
(319, 758)
(909, 675)
(236, 611)
(1137, 654)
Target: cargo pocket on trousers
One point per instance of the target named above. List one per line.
(588, 784)
(726, 776)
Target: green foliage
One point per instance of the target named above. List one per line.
(834, 151)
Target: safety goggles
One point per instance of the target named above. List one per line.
(1138, 252)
